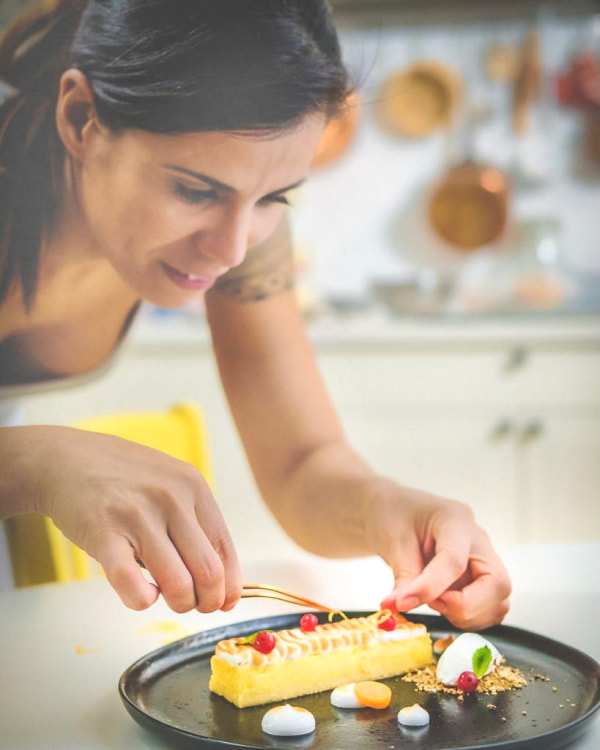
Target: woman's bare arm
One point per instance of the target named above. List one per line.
(322, 493)
(285, 418)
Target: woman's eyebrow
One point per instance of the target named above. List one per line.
(293, 186)
(223, 186)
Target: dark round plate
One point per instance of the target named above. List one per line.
(167, 693)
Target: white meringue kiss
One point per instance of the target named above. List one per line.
(413, 716)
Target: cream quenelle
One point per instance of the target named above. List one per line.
(458, 658)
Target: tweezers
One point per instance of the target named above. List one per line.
(254, 590)
(272, 592)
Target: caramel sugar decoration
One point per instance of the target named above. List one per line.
(335, 612)
(441, 644)
(381, 616)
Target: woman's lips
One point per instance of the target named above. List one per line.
(187, 280)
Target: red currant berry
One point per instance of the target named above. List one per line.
(308, 622)
(264, 642)
(389, 624)
(467, 682)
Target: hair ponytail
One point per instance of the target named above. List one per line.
(34, 51)
(30, 48)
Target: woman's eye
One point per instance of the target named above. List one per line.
(193, 195)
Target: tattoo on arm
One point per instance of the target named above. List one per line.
(268, 269)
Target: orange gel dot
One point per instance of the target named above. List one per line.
(373, 694)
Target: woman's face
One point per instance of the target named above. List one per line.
(171, 213)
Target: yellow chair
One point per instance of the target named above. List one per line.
(40, 553)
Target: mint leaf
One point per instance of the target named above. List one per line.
(482, 658)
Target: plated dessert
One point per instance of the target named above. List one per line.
(348, 657)
(271, 666)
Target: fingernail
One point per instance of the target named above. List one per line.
(407, 602)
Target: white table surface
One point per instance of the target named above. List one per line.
(65, 646)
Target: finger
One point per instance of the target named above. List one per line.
(449, 563)
(164, 563)
(117, 558)
(233, 572)
(480, 603)
(406, 562)
(210, 518)
(460, 613)
(202, 562)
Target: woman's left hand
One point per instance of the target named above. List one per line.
(439, 556)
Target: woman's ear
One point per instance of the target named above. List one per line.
(76, 119)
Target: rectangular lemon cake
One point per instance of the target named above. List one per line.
(332, 654)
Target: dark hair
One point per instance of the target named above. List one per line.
(165, 66)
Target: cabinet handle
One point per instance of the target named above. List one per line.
(502, 429)
(532, 430)
(516, 358)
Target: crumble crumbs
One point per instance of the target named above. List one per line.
(501, 679)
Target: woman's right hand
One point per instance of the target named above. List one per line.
(122, 503)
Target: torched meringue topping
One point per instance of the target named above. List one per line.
(294, 643)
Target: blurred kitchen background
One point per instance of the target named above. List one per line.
(466, 178)
(448, 266)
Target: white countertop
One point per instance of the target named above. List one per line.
(375, 329)
(65, 646)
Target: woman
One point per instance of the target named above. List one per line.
(146, 154)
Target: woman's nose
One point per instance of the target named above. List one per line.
(227, 242)
(229, 239)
